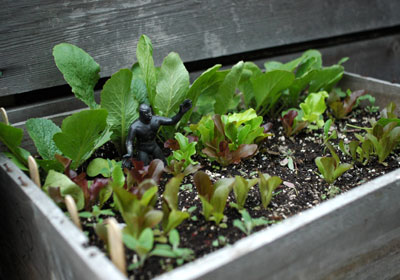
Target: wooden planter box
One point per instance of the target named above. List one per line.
(356, 235)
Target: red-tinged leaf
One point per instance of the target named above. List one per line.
(156, 168)
(81, 181)
(171, 144)
(352, 99)
(193, 138)
(210, 152)
(223, 149)
(299, 126)
(63, 160)
(244, 151)
(267, 127)
(96, 187)
(218, 124)
(203, 184)
(190, 169)
(288, 119)
(55, 194)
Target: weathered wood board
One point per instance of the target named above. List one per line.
(109, 30)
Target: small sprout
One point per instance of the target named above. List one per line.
(142, 245)
(172, 250)
(247, 223)
(241, 190)
(267, 185)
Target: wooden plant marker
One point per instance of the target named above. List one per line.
(73, 210)
(115, 245)
(4, 115)
(34, 171)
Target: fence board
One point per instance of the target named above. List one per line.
(109, 30)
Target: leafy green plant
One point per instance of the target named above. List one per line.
(95, 214)
(330, 167)
(81, 134)
(122, 106)
(173, 251)
(142, 245)
(247, 223)
(137, 210)
(241, 190)
(172, 217)
(384, 139)
(341, 108)
(11, 137)
(85, 192)
(101, 166)
(80, 71)
(267, 184)
(141, 173)
(181, 159)
(213, 196)
(228, 139)
(292, 122)
(313, 107)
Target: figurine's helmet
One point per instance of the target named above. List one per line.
(145, 113)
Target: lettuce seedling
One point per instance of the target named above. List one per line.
(384, 139)
(181, 159)
(292, 122)
(213, 196)
(231, 139)
(330, 167)
(101, 166)
(172, 217)
(241, 190)
(173, 251)
(341, 108)
(313, 108)
(267, 185)
(137, 210)
(95, 214)
(142, 245)
(247, 223)
(140, 173)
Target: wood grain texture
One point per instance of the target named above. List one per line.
(109, 30)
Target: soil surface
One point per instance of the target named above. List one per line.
(303, 188)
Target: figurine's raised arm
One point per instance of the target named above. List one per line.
(183, 108)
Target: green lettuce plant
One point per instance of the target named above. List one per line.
(228, 139)
(142, 245)
(213, 196)
(241, 190)
(267, 184)
(173, 251)
(313, 107)
(339, 107)
(172, 216)
(247, 223)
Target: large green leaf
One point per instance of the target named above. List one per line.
(58, 180)
(121, 105)
(79, 69)
(199, 86)
(227, 89)
(42, 131)
(249, 70)
(81, 133)
(267, 87)
(172, 86)
(326, 78)
(138, 85)
(144, 54)
(12, 137)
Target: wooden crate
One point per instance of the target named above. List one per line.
(38, 242)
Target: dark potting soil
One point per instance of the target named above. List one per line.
(302, 188)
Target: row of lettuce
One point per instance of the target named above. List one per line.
(227, 125)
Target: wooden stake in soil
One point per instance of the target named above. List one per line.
(73, 210)
(34, 171)
(115, 245)
(4, 115)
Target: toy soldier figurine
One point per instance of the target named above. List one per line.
(145, 130)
